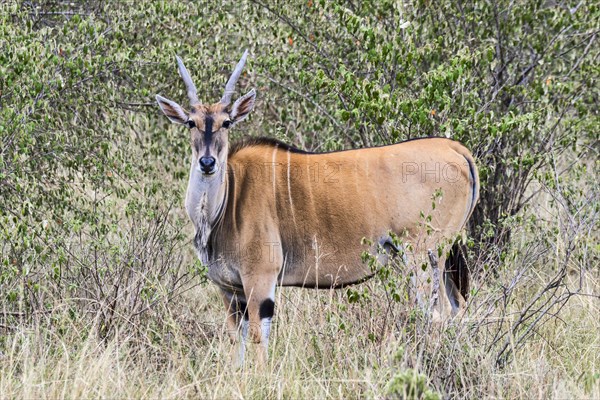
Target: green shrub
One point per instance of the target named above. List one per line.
(92, 176)
(411, 385)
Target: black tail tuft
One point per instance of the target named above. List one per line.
(457, 269)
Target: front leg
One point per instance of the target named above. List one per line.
(237, 324)
(260, 294)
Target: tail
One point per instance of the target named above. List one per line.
(474, 178)
(457, 271)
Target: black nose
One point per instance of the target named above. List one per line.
(207, 164)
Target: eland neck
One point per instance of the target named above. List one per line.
(205, 204)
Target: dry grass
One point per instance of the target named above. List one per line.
(322, 348)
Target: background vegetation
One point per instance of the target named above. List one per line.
(100, 292)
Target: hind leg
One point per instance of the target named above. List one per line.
(443, 309)
(455, 297)
(429, 288)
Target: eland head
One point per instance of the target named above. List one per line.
(209, 123)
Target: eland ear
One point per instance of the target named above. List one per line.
(172, 110)
(242, 107)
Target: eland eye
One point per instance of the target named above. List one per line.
(226, 124)
(190, 124)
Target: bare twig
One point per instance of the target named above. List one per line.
(311, 101)
(436, 279)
